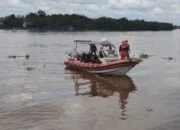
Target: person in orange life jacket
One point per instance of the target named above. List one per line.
(124, 50)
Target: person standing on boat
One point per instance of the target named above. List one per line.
(124, 50)
(93, 49)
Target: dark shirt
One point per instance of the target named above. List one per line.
(93, 48)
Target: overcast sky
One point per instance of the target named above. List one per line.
(151, 10)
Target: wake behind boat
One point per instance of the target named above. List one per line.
(107, 61)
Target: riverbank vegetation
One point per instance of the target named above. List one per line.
(40, 20)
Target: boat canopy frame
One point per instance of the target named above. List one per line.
(89, 42)
(106, 43)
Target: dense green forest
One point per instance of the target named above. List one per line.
(40, 20)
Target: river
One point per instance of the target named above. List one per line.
(38, 93)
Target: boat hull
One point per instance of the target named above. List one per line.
(112, 68)
(115, 71)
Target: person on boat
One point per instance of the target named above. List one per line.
(101, 52)
(124, 50)
(93, 49)
(95, 59)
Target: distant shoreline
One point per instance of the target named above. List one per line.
(58, 22)
(56, 30)
(74, 30)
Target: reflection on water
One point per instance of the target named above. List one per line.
(104, 86)
(43, 99)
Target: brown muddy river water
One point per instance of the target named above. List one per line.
(40, 94)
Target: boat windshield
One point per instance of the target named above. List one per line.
(108, 53)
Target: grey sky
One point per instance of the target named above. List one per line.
(151, 10)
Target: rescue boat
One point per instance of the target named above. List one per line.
(107, 62)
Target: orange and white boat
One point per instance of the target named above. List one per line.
(107, 62)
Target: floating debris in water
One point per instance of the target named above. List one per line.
(144, 56)
(27, 56)
(149, 109)
(30, 68)
(14, 57)
(168, 58)
(123, 118)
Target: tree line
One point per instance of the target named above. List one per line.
(40, 20)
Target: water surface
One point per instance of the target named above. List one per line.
(40, 94)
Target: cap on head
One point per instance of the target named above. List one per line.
(125, 41)
(104, 40)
